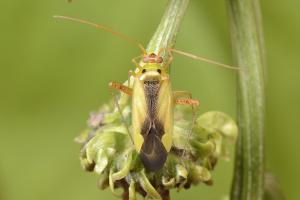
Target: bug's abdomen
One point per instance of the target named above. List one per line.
(153, 153)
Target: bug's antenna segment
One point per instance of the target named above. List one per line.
(204, 59)
(104, 28)
(142, 49)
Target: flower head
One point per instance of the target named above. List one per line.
(108, 151)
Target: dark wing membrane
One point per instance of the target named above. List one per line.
(153, 153)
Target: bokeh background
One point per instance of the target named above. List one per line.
(54, 73)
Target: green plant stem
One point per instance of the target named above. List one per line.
(248, 50)
(166, 32)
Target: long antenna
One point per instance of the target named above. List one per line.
(104, 28)
(204, 59)
(135, 42)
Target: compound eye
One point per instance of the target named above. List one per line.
(159, 71)
(143, 71)
(159, 60)
(145, 59)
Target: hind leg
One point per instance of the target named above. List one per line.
(185, 98)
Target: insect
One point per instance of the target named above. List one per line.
(153, 101)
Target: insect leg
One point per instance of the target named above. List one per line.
(135, 62)
(192, 102)
(120, 87)
(187, 101)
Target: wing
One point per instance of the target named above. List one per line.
(139, 113)
(152, 115)
(165, 108)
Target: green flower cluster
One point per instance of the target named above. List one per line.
(198, 143)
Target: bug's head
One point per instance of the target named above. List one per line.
(152, 69)
(152, 58)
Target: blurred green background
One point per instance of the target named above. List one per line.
(53, 73)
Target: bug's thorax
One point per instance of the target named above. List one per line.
(150, 76)
(152, 72)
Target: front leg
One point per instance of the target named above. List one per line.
(120, 87)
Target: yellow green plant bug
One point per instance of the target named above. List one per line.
(153, 101)
(152, 109)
